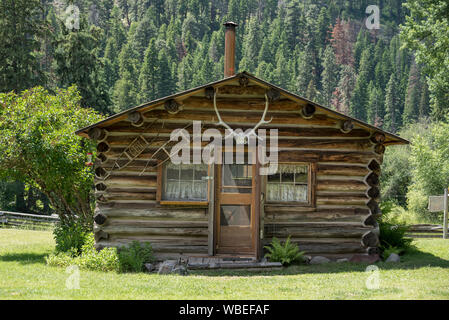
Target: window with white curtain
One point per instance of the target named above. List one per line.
(184, 182)
(289, 184)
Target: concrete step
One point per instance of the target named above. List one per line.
(195, 263)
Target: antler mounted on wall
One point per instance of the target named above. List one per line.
(241, 137)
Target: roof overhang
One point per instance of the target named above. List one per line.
(391, 138)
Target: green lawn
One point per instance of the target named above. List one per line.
(24, 275)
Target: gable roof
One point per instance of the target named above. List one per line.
(390, 137)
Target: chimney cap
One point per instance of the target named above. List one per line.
(230, 24)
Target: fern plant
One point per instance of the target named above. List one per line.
(134, 257)
(286, 253)
(389, 250)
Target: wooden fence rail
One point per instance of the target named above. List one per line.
(26, 220)
(34, 221)
(425, 231)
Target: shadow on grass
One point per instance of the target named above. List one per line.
(413, 260)
(24, 258)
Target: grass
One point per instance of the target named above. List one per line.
(423, 274)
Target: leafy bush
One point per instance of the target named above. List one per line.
(396, 175)
(70, 237)
(37, 132)
(134, 257)
(396, 214)
(89, 258)
(429, 167)
(393, 235)
(284, 253)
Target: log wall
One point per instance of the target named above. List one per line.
(340, 222)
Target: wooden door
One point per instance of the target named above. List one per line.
(235, 209)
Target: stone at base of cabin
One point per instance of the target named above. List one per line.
(343, 260)
(181, 270)
(268, 264)
(149, 267)
(365, 258)
(319, 260)
(393, 258)
(306, 259)
(167, 267)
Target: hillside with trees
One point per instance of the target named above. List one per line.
(121, 53)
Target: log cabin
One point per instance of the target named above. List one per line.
(323, 194)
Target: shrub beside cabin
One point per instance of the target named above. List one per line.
(324, 193)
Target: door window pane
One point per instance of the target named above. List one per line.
(231, 215)
(237, 178)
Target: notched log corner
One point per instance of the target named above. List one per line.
(347, 126)
(370, 221)
(370, 239)
(374, 207)
(377, 137)
(373, 250)
(103, 147)
(101, 186)
(100, 219)
(308, 111)
(100, 172)
(374, 193)
(136, 118)
(374, 166)
(102, 157)
(379, 149)
(97, 134)
(102, 199)
(372, 179)
(101, 235)
(172, 107)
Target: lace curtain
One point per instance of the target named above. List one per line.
(185, 182)
(290, 183)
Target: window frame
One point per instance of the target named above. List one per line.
(160, 184)
(310, 184)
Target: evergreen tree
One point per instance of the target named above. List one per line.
(20, 31)
(125, 89)
(329, 75)
(359, 99)
(305, 71)
(412, 97)
(294, 23)
(392, 105)
(167, 84)
(360, 45)
(185, 73)
(281, 72)
(149, 74)
(251, 46)
(375, 107)
(145, 30)
(342, 95)
(311, 92)
(425, 30)
(78, 63)
(265, 71)
(424, 109)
